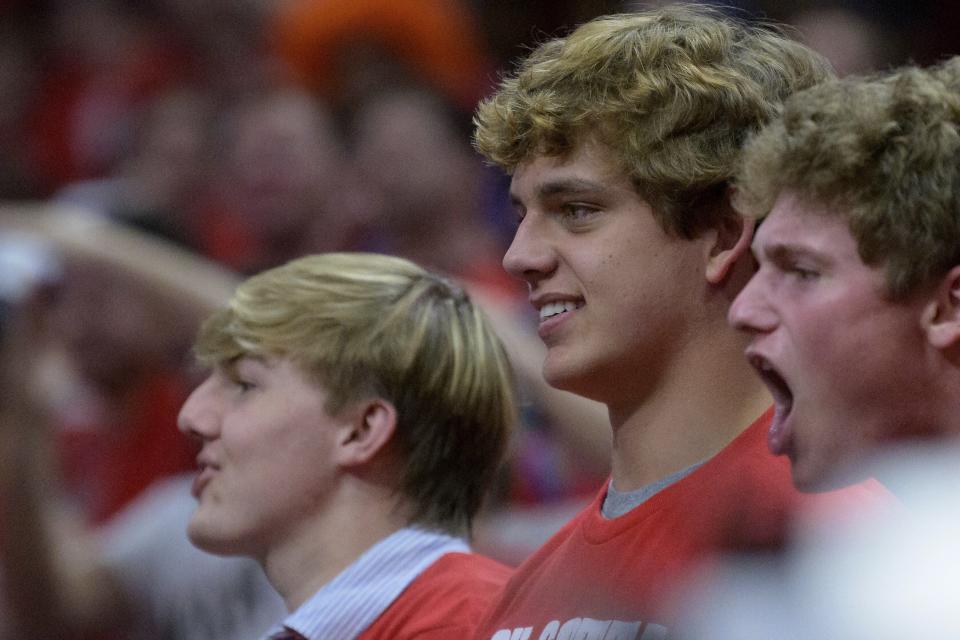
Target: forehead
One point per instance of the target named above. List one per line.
(800, 223)
(589, 163)
(247, 360)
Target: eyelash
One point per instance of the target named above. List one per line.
(577, 212)
(243, 386)
(570, 214)
(803, 274)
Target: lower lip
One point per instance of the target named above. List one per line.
(779, 436)
(551, 324)
(200, 482)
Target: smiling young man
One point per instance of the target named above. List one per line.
(621, 139)
(854, 313)
(357, 410)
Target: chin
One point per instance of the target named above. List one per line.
(555, 373)
(556, 379)
(212, 539)
(808, 476)
(806, 483)
(825, 478)
(577, 378)
(580, 385)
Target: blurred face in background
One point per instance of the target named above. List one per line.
(409, 153)
(284, 163)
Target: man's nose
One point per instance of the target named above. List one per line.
(531, 256)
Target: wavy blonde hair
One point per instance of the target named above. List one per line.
(672, 92)
(883, 152)
(370, 324)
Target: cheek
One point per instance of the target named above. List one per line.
(256, 453)
(297, 444)
(847, 400)
(836, 381)
(824, 342)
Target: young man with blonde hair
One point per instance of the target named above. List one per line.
(354, 418)
(854, 313)
(621, 139)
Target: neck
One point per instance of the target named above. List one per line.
(312, 555)
(699, 403)
(947, 397)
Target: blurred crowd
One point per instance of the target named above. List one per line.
(250, 132)
(155, 97)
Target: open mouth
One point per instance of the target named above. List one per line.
(201, 480)
(778, 436)
(554, 309)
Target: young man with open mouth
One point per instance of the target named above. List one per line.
(854, 314)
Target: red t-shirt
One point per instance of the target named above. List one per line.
(610, 579)
(445, 602)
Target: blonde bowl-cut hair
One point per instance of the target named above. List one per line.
(673, 93)
(883, 153)
(370, 324)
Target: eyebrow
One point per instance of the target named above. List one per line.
(232, 364)
(783, 251)
(567, 186)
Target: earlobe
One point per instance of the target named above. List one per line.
(941, 316)
(733, 241)
(370, 426)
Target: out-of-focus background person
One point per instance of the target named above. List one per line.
(93, 498)
(156, 148)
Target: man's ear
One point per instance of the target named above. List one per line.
(941, 316)
(368, 428)
(732, 241)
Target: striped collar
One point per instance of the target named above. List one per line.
(349, 603)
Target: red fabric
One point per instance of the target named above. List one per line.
(71, 93)
(615, 577)
(446, 601)
(226, 237)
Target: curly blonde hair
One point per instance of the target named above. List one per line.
(883, 152)
(371, 324)
(672, 92)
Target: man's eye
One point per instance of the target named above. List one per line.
(804, 274)
(242, 385)
(576, 213)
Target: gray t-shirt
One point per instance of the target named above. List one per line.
(616, 503)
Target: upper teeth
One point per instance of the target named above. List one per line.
(553, 308)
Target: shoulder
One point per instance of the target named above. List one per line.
(447, 600)
(457, 582)
(467, 568)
